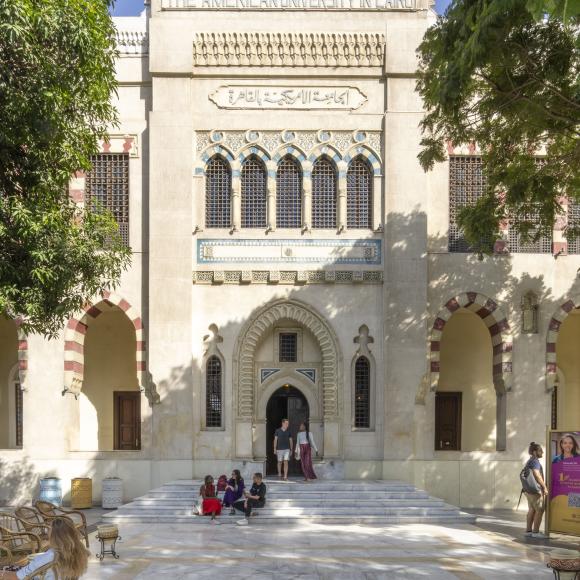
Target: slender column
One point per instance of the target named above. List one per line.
(376, 203)
(307, 197)
(236, 197)
(341, 216)
(271, 196)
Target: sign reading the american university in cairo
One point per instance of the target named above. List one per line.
(291, 4)
(272, 97)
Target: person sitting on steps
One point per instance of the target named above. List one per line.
(255, 498)
(234, 490)
(210, 504)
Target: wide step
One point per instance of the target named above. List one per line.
(329, 502)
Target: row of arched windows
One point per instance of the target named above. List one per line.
(289, 189)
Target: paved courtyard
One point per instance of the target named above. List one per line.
(494, 550)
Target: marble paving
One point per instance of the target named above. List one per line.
(314, 551)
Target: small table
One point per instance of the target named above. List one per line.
(558, 570)
(108, 533)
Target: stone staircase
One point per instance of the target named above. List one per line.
(328, 502)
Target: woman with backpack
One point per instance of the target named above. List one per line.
(534, 487)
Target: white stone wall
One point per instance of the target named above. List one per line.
(165, 105)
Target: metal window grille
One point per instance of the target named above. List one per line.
(362, 393)
(288, 347)
(18, 410)
(253, 194)
(516, 245)
(213, 392)
(288, 194)
(323, 194)
(218, 186)
(359, 194)
(467, 183)
(554, 421)
(107, 188)
(574, 223)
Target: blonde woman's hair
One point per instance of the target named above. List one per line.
(71, 557)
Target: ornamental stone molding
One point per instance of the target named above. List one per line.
(300, 144)
(257, 326)
(306, 49)
(293, 277)
(132, 42)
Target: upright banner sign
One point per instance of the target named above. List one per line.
(564, 481)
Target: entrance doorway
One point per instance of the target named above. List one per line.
(286, 403)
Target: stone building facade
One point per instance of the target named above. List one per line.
(291, 257)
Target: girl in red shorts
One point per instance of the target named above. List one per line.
(210, 504)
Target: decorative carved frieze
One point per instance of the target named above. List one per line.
(271, 141)
(278, 277)
(132, 42)
(294, 49)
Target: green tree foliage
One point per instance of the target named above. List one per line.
(505, 75)
(57, 78)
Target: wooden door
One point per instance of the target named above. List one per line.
(448, 422)
(127, 417)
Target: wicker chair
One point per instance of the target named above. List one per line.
(50, 511)
(33, 521)
(19, 543)
(42, 571)
(7, 558)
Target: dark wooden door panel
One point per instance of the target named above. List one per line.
(127, 417)
(448, 421)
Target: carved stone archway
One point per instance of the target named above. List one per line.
(245, 379)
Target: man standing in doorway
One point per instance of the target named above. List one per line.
(282, 447)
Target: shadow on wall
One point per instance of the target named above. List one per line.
(417, 284)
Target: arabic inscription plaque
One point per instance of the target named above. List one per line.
(276, 97)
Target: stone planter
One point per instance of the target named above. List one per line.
(112, 493)
(51, 490)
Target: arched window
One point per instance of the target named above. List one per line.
(218, 185)
(359, 194)
(323, 194)
(253, 194)
(213, 392)
(288, 194)
(362, 393)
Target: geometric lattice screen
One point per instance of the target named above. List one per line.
(107, 187)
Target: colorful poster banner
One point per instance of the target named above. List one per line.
(564, 482)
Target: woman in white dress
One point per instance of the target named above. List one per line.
(66, 551)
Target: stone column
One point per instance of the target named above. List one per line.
(306, 201)
(377, 203)
(271, 196)
(341, 217)
(236, 197)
